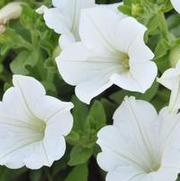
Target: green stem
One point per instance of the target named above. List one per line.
(163, 26)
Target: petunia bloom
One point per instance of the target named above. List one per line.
(32, 125)
(111, 51)
(171, 80)
(176, 5)
(64, 17)
(140, 145)
(10, 11)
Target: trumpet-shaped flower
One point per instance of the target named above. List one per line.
(32, 125)
(111, 51)
(64, 17)
(140, 145)
(171, 80)
(10, 11)
(176, 5)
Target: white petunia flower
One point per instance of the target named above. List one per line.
(64, 17)
(32, 125)
(176, 5)
(10, 11)
(111, 51)
(171, 80)
(141, 145)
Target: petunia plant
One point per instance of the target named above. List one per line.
(89, 90)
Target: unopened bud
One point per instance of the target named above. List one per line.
(41, 10)
(136, 10)
(10, 11)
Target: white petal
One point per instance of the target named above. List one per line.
(24, 84)
(88, 90)
(137, 72)
(118, 32)
(140, 146)
(61, 123)
(137, 147)
(71, 9)
(37, 156)
(126, 173)
(57, 21)
(69, 5)
(174, 102)
(169, 122)
(55, 148)
(57, 3)
(169, 78)
(126, 81)
(77, 60)
(138, 50)
(55, 113)
(166, 174)
(97, 26)
(47, 107)
(21, 98)
(135, 79)
(169, 135)
(13, 98)
(134, 175)
(112, 7)
(124, 37)
(66, 40)
(18, 143)
(32, 125)
(176, 4)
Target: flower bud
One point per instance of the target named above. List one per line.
(136, 10)
(10, 11)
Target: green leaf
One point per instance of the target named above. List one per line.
(18, 65)
(80, 113)
(163, 63)
(79, 155)
(161, 99)
(162, 48)
(174, 24)
(109, 108)
(86, 125)
(96, 117)
(36, 175)
(118, 96)
(79, 173)
(125, 9)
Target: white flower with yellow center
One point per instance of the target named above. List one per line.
(32, 125)
(171, 80)
(176, 5)
(111, 51)
(140, 145)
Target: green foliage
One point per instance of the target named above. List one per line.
(80, 155)
(147, 96)
(159, 37)
(78, 173)
(28, 47)
(86, 125)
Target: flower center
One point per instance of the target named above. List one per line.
(124, 60)
(39, 127)
(154, 168)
